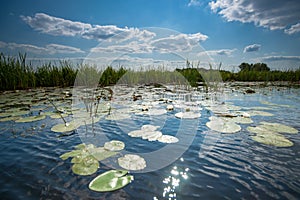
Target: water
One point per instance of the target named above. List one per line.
(215, 166)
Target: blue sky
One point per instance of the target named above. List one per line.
(209, 31)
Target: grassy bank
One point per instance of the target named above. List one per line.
(16, 74)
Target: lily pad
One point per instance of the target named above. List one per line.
(168, 139)
(273, 139)
(58, 116)
(31, 118)
(187, 115)
(11, 118)
(149, 127)
(114, 145)
(258, 112)
(151, 135)
(62, 128)
(73, 153)
(110, 181)
(132, 162)
(136, 133)
(87, 167)
(242, 120)
(222, 125)
(277, 127)
(100, 153)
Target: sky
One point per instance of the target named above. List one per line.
(137, 33)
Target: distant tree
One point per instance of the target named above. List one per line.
(254, 67)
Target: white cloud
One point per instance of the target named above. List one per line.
(131, 47)
(252, 48)
(63, 27)
(48, 49)
(178, 43)
(280, 58)
(55, 26)
(58, 48)
(194, 3)
(220, 52)
(293, 29)
(265, 13)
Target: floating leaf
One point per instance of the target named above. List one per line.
(100, 153)
(132, 162)
(85, 168)
(149, 127)
(73, 153)
(136, 133)
(261, 113)
(11, 118)
(151, 135)
(281, 128)
(223, 125)
(31, 118)
(187, 115)
(58, 116)
(114, 145)
(273, 139)
(242, 120)
(168, 139)
(62, 128)
(110, 181)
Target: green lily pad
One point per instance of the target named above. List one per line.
(58, 116)
(187, 115)
(242, 120)
(149, 127)
(11, 118)
(19, 113)
(85, 169)
(273, 139)
(100, 153)
(31, 118)
(132, 162)
(114, 145)
(168, 139)
(62, 128)
(110, 181)
(277, 127)
(136, 133)
(73, 153)
(260, 113)
(223, 125)
(151, 135)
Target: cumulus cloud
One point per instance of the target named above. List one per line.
(62, 27)
(265, 13)
(48, 49)
(179, 42)
(252, 48)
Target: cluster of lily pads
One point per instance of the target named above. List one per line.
(269, 133)
(86, 158)
(150, 133)
(227, 117)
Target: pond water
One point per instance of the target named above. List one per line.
(212, 165)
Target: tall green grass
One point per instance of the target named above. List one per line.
(15, 73)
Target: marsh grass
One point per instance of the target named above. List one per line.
(15, 74)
